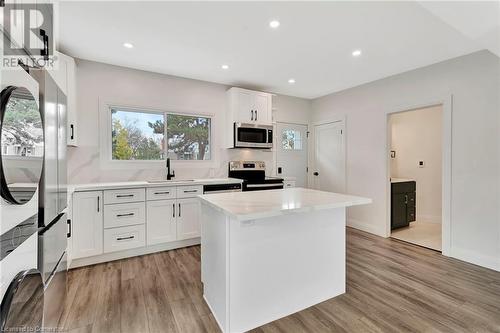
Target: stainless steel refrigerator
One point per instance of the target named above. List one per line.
(52, 239)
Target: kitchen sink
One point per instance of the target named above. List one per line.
(161, 181)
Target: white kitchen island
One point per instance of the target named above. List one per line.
(268, 254)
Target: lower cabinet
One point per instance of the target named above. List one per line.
(102, 225)
(161, 221)
(188, 218)
(124, 238)
(403, 204)
(87, 224)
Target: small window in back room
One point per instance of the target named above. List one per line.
(291, 140)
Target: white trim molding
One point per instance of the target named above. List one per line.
(447, 108)
(105, 143)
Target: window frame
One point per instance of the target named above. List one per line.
(106, 142)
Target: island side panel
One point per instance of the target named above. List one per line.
(214, 262)
(284, 264)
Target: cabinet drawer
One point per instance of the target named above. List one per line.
(120, 215)
(124, 238)
(189, 191)
(124, 195)
(160, 193)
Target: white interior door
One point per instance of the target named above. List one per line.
(291, 159)
(329, 157)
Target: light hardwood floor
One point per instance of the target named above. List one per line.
(392, 286)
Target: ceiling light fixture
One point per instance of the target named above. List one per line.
(128, 45)
(224, 67)
(356, 53)
(274, 24)
(291, 81)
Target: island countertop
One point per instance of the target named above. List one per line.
(252, 205)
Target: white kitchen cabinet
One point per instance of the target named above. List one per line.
(64, 74)
(87, 224)
(161, 221)
(188, 218)
(124, 238)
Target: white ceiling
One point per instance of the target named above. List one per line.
(313, 45)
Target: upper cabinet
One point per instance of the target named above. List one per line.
(63, 74)
(247, 106)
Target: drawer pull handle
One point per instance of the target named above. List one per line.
(190, 191)
(123, 215)
(173, 210)
(162, 192)
(125, 238)
(124, 195)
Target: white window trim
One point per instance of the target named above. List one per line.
(105, 153)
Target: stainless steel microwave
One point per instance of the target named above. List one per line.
(253, 136)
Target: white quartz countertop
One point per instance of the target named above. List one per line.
(135, 184)
(253, 205)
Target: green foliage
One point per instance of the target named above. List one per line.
(22, 122)
(187, 136)
(121, 148)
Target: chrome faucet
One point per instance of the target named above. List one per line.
(169, 175)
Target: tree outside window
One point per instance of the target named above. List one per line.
(141, 136)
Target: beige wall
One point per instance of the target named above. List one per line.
(99, 83)
(417, 136)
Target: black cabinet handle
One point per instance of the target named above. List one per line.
(190, 191)
(124, 195)
(72, 131)
(252, 115)
(98, 203)
(162, 193)
(123, 215)
(68, 234)
(179, 210)
(316, 173)
(173, 210)
(125, 238)
(255, 115)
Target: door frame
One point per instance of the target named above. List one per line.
(446, 103)
(312, 147)
(275, 151)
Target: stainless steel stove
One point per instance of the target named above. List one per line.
(254, 177)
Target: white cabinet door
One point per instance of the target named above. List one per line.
(262, 108)
(188, 218)
(87, 224)
(161, 221)
(245, 104)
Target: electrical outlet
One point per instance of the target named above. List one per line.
(421, 164)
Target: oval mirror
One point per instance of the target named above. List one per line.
(21, 145)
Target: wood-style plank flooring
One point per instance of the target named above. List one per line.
(392, 286)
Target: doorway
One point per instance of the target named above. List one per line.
(329, 157)
(291, 155)
(416, 176)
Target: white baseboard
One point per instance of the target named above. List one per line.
(368, 227)
(475, 258)
(132, 252)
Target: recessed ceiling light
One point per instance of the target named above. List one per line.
(291, 81)
(356, 53)
(128, 45)
(224, 67)
(274, 24)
